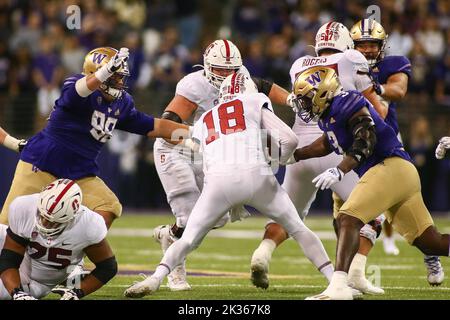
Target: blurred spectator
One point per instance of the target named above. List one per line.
(254, 59)
(248, 19)
(442, 93)
(399, 43)
(22, 93)
(29, 34)
(432, 38)
(189, 22)
(136, 61)
(278, 65)
(47, 75)
(72, 55)
(168, 61)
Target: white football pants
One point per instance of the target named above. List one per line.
(256, 187)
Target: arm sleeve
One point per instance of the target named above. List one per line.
(286, 137)
(135, 121)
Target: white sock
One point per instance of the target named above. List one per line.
(358, 266)
(339, 279)
(161, 272)
(265, 249)
(328, 271)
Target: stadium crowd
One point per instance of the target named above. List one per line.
(167, 38)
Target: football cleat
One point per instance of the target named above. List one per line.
(143, 288)
(390, 247)
(176, 280)
(259, 269)
(435, 271)
(365, 286)
(344, 293)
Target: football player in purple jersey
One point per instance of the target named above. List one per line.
(390, 76)
(388, 183)
(90, 107)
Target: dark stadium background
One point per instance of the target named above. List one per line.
(166, 38)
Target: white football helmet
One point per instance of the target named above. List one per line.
(221, 54)
(58, 204)
(333, 35)
(236, 84)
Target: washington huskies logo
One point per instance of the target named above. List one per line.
(314, 78)
(98, 57)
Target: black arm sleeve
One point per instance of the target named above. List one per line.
(105, 270)
(263, 85)
(364, 138)
(170, 115)
(10, 260)
(22, 241)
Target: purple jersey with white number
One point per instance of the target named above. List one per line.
(78, 128)
(382, 71)
(335, 124)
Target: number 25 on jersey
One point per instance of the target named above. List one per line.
(231, 120)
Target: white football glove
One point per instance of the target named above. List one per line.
(22, 295)
(67, 293)
(442, 147)
(290, 103)
(118, 60)
(327, 178)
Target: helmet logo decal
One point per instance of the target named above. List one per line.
(98, 57)
(314, 78)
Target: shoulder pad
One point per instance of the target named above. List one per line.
(355, 56)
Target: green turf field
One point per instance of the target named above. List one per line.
(219, 268)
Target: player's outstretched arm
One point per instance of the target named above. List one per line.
(319, 148)
(380, 107)
(396, 87)
(86, 85)
(105, 269)
(10, 142)
(287, 139)
(276, 94)
(10, 260)
(168, 129)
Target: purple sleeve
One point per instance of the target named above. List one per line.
(69, 97)
(398, 64)
(135, 121)
(350, 104)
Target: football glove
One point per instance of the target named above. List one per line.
(119, 59)
(377, 87)
(19, 294)
(289, 101)
(327, 178)
(442, 147)
(22, 144)
(68, 293)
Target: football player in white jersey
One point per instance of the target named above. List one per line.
(48, 233)
(10, 142)
(334, 49)
(237, 174)
(182, 180)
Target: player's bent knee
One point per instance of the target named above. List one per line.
(432, 242)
